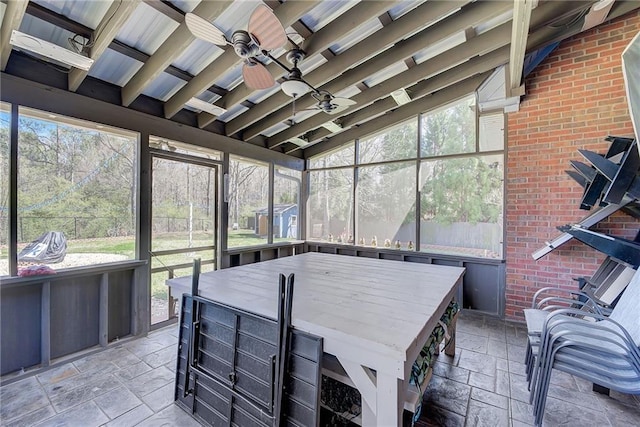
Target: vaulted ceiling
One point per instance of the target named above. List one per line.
(146, 58)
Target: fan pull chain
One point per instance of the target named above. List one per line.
(293, 118)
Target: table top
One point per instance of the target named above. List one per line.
(379, 307)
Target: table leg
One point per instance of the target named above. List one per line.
(450, 345)
(368, 416)
(390, 400)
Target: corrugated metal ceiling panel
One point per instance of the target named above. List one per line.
(45, 31)
(163, 87)
(404, 7)
(232, 113)
(386, 73)
(361, 33)
(146, 29)
(197, 56)
(114, 67)
(232, 77)
(260, 95)
(492, 23)
(236, 16)
(311, 63)
(440, 47)
(88, 13)
(186, 5)
(275, 129)
(347, 92)
(326, 12)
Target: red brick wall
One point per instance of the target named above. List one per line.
(574, 99)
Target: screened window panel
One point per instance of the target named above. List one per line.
(78, 178)
(449, 130)
(331, 205)
(386, 198)
(248, 203)
(461, 206)
(396, 143)
(286, 204)
(5, 127)
(343, 156)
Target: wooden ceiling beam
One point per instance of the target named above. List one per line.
(65, 23)
(11, 20)
(173, 47)
(543, 36)
(332, 69)
(469, 15)
(400, 114)
(287, 13)
(541, 14)
(519, 33)
(476, 65)
(116, 16)
(457, 61)
(47, 15)
(316, 43)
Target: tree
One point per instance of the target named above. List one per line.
(457, 189)
(74, 179)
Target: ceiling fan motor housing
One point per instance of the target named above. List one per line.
(325, 103)
(244, 45)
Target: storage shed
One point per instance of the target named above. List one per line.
(285, 221)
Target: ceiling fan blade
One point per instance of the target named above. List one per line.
(256, 76)
(343, 102)
(336, 109)
(204, 30)
(267, 30)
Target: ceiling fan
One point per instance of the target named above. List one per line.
(295, 86)
(264, 34)
(331, 104)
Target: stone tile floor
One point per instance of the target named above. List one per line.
(483, 385)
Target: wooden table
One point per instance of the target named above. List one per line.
(372, 314)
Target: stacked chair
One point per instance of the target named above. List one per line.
(599, 348)
(593, 332)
